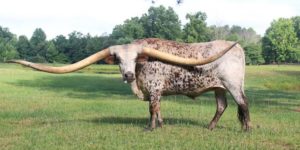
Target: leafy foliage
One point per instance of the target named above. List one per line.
(253, 54)
(52, 53)
(245, 36)
(296, 22)
(280, 42)
(161, 23)
(196, 29)
(61, 45)
(7, 45)
(23, 47)
(38, 46)
(7, 51)
(127, 32)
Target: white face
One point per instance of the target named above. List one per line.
(126, 56)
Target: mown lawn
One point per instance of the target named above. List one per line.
(94, 109)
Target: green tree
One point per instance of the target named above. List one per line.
(7, 51)
(61, 45)
(253, 54)
(23, 47)
(236, 29)
(245, 36)
(7, 45)
(219, 32)
(233, 37)
(52, 54)
(249, 37)
(76, 46)
(127, 32)
(94, 44)
(6, 35)
(296, 22)
(196, 29)
(161, 23)
(279, 42)
(38, 45)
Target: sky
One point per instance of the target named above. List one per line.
(98, 17)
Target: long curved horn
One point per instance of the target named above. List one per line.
(184, 61)
(68, 68)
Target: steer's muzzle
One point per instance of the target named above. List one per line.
(129, 77)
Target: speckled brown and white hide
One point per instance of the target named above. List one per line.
(155, 78)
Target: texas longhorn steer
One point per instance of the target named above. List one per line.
(156, 67)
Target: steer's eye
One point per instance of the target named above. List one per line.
(117, 61)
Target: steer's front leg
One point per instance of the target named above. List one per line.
(154, 109)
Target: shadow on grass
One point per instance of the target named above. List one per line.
(80, 86)
(273, 98)
(135, 121)
(145, 121)
(290, 73)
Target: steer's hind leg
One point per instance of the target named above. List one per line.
(243, 111)
(221, 101)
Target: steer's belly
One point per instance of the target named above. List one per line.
(192, 90)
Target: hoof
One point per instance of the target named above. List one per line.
(160, 124)
(148, 129)
(247, 127)
(211, 126)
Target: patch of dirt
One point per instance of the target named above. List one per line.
(278, 145)
(23, 122)
(26, 122)
(297, 109)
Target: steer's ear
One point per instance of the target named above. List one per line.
(110, 59)
(142, 58)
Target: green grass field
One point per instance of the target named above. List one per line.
(94, 109)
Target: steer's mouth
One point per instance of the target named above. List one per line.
(128, 80)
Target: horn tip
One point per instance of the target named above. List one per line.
(22, 62)
(11, 61)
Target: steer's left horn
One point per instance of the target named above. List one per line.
(184, 61)
(68, 68)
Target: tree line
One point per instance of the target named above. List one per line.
(280, 44)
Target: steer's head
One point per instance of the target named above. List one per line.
(126, 56)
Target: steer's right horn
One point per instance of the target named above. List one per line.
(184, 61)
(68, 68)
